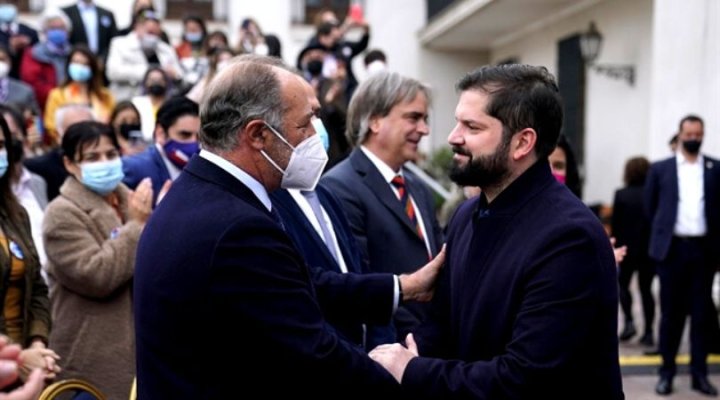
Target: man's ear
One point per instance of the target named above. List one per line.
(523, 144)
(374, 125)
(161, 136)
(255, 134)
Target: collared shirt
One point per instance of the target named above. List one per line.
(304, 205)
(256, 187)
(691, 197)
(26, 198)
(388, 174)
(89, 15)
(173, 170)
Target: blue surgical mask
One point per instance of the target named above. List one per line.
(3, 162)
(79, 72)
(8, 13)
(58, 37)
(322, 132)
(193, 37)
(102, 177)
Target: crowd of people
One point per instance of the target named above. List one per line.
(153, 195)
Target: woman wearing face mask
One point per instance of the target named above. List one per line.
(190, 51)
(83, 85)
(12, 90)
(43, 65)
(26, 308)
(91, 233)
(156, 89)
(125, 121)
(218, 59)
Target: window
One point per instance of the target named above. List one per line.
(178, 9)
(305, 11)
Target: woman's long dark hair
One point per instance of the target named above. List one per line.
(572, 174)
(10, 209)
(95, 84)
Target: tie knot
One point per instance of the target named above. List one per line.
(398, 181)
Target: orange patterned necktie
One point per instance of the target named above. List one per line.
(399, 182)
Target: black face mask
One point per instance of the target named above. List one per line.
(692, 146)
(157, 89)
(126, 129)
(315, 67)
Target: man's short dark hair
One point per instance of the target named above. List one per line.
(374, 55)
(521, 96)
(690, 118)
(173, 109)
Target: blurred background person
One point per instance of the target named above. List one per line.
(251, 39)
(125, 121)
(26, 309)
(375, 60)
(13, 90)
(630, 227)
(215, 39)
(131, 56)
(29, 189)
(83, 85)
(93, 27)
(564, 167)
(175, 142)
(156, 89)
(50, 165)
(137, 6)
(218, 58)
(91, 233)
(190, 52)
(14, 35)
(43, 65)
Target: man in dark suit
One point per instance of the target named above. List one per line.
(526, 306)
(229, 258)
(176, 140)
(93, 26)
(318, 227)
(391, 212)
(681, 197)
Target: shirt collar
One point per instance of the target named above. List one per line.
(385, 170)
(256, 187)
(680, 159)
(85, 6)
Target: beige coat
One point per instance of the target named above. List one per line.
(91, 261)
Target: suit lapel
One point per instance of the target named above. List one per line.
(344, 245)
(160, 163)
(373, 179)
(294, 211)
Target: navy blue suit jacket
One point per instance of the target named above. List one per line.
(377, 303)
(661, 202)
(150, 164)
(526, 307)
(387, 239)
(212, 257)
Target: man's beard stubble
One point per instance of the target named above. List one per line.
(484, 171)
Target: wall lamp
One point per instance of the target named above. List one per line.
(590, 45)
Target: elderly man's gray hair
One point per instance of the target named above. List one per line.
(62, 112)
(375, 97)
(248, 89)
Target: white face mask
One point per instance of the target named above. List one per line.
(306, 164)
(4, 69)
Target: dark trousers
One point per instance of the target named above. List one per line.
(646, 273)
(685, 289)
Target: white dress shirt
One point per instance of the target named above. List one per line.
(690, 219)
(89, 16)
(256, 187)
(27, 199)
(388, 174)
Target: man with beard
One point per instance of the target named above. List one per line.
(526, 306)
(681, 197)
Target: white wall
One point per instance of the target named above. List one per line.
(616, 114)
(686, 66)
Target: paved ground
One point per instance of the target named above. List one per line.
(640, 371)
